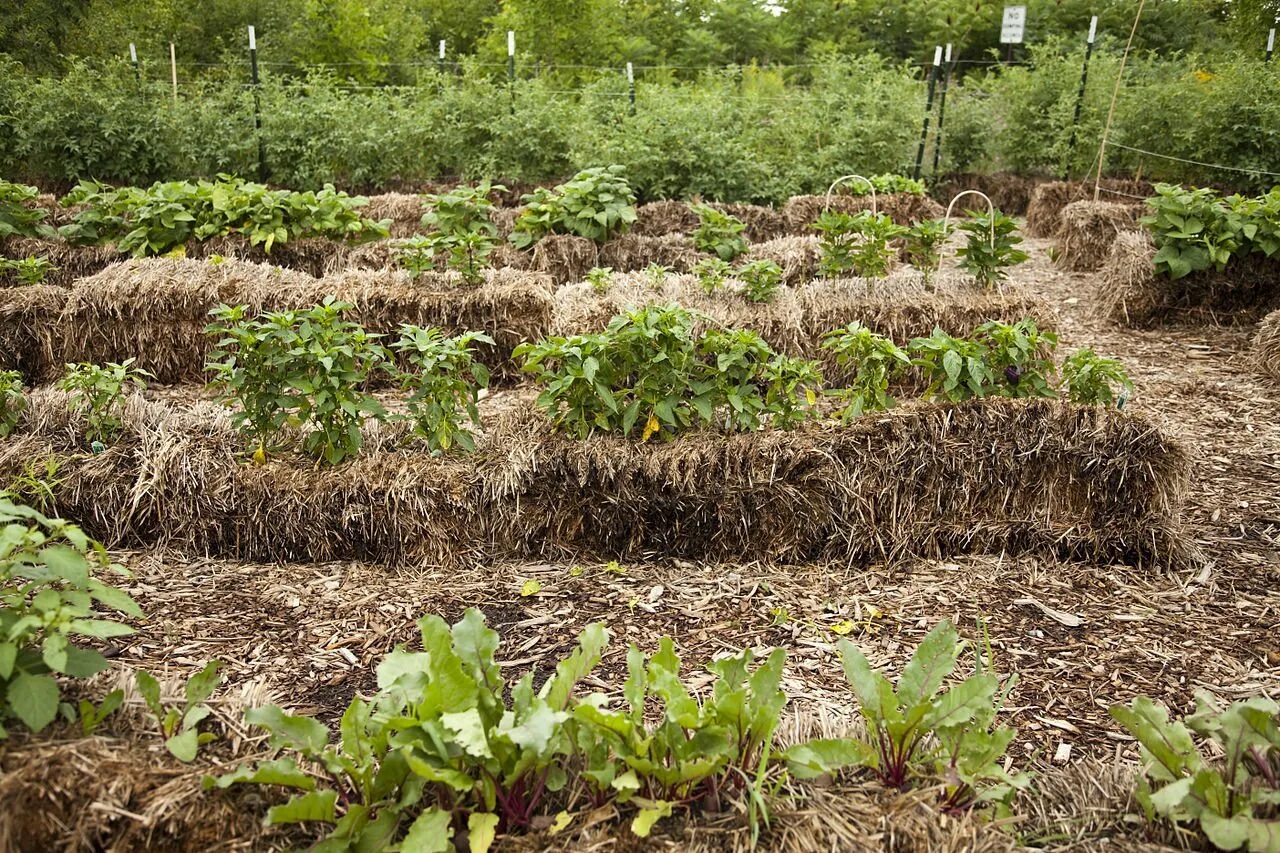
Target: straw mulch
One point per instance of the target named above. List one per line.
(797, 256)
(635, 252)
(70, 262)
(1130, 292)
(155, 310)
(800, 212)
(1087, 230)
(1008, 192)
(1044, 212)
(1266, 346)
(405, 211)
(677, 217)
(925, 480)
(313, 256)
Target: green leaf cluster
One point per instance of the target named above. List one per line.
(443, 380)
(990, 248)
(180, 724)
(922, 245)
(13, 400)
(49, 597)
(1093, 380)
(719, 233)
(1234, 796)
(1196, 229)
(460, 231)
(856, 242)
(165, 216)
(597, 203)
(874, 361)
(648, 373)
(28, 270)
(760, 280)
(97, 392)
(19, 216)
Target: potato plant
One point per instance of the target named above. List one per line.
(991, 247)
(719, 233)
(97, 392)
(875, 361)
(50, 598)
(597, 203)
(19, 217)
(444, 381)
(303, 369)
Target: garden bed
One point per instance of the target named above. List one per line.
(925, 480)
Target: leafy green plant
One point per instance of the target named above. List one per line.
(874, 362)
(13, 401)
(18, 217)
(887, 184)
(1019, 356)
(711, 274)
(444, 381)
(760, 280)
(462, 231)
(990, 248)
(49, 596)
(37, 485)
(92, 715)
(1092, 380)
(954, 368)
(719, 233)
(656, 274)
(416, 254)
(923, 245)
(97, 392)
(743, 363)
(1193, 230)
(1234, 797)
(857, 242)
(181, 723)
(917, 732)
(29, 270)
(597, 203)
(444, 736)
(302, 368)
(600, 278)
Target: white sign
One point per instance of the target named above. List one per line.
(511, 42)
(1093, 28)
(1014, 24)
(253, 39)
(441, 50)
(133, 53)
(631, 77)
(1271, 40)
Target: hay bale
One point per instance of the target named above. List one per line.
(28, 330)
(564, 257)
(800, 212)
(1086, 231)
(763, 222)
(1044, 212)
(630, 252)
(70, 262)
(797, 256)
(1127, 291)
(1008, 192)
(1266, 346)
(405, 210)
(664, 217)
(922, 481)
(312, 255)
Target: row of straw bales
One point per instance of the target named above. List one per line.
(924, 480)
(155, 310)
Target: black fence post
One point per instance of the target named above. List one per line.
(257, 105)
(942, 109)
(511, 67)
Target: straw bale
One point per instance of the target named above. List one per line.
(28, 318)
(1008, 192)
(798, 257)
(925, 480)
(800, 212)
(405, 211)
(1266, 346)
(312, 255)
(635, 252)
(664, 217)
(1087, 229)
(564, 257)
(763, 222)
(70, 262)
(1127, 290)
(1044, 211)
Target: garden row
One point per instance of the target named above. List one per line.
(447, 744)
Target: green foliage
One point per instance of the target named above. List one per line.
(28, 270)
(719, 233)
(874, 362)
(598, 203)
(760, 280)
(657, 275)
(857, 242)
(711, 274)
(600, 278)
(443, 728)
(37, 485)
(163, 217)
(301, 368)
(1235, 796)
(954, 368)
(180, 724)
(19, 216)
(1092, 380)
(48, 598)
(461, 230)
(97, 392)
(1019, 357)
(918, 733)
(923, 245)
(647, 372)
(416, 254)
(990, 248)
(444, 381)
(12, 401)
(1196, 230)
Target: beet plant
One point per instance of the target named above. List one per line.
(97, 392)
(444, 381)
(874, 362)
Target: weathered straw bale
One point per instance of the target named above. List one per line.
(1048, 200)
(28, 316)
(800, 212)
(798, 257)
(664, 217)
(313, 255)
(1087, 230)
(1127, 290)
(635, 252)
(925, 480)
(69, 262)
(1266, 346)
(1008, 192)
(405, 211)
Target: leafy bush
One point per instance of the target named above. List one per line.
(181, 724)
(1234, 796)
(1019, 356)
(920, 733)
(48, 598)
(955, 369)
(1092, 380)
(443, 381)
(719, 233)
(462, 230)
(1196, 230)
(874, 360)
(440, 732)
(29, 270)
(760, 280)
(648, 372)
(597, 203)
(990, 248)
(18, 218)
(857, 242)
(599, 278)
(711, 274)
(922, 245)
(302, 368)
(97, 392)
(12, 401)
